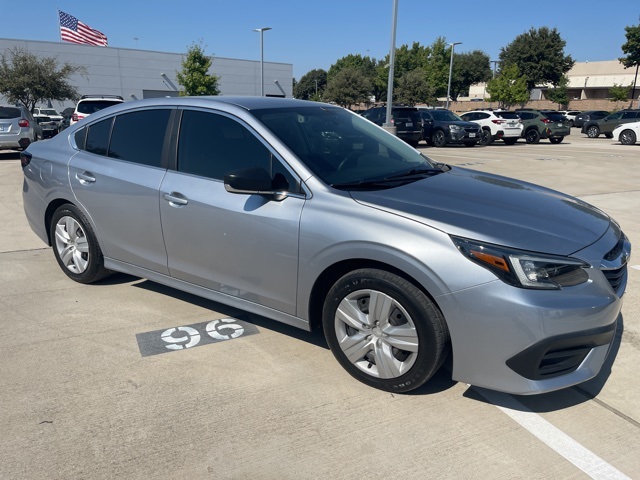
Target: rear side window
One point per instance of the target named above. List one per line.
(139, 136)
(98, 137)
(9, 112)
(556, 117)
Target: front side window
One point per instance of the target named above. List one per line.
(212, 145)
(139, 136)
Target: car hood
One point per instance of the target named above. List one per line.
(494, 209)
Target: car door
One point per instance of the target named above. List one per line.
(427, 124)
(116, 177)
(241, 245)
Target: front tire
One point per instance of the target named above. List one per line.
(485, 138)
(628, 137)
(75, 245)
(509, 141)
(593, 131)
(439, 139)
(384, 330)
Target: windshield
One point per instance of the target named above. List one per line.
(340, 147)
(48, 111)
(445, 115)
(92, 106)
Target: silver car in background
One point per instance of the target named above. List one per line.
(18, 128)
(313, 216)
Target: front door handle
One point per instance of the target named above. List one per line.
(175, 199)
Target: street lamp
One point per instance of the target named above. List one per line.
(451, 70)
(392, 55)
(261, 30)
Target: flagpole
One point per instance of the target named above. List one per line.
(59, 31)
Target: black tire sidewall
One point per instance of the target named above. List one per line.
(95, 268)
(429, 323)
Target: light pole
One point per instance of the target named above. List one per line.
(451, 70)
(261, 30)
(392, 55)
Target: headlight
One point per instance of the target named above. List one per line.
(455, 128)
(524, 269)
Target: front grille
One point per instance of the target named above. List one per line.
(616, 277)
(472, 130)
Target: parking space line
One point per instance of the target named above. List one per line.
(556, 439)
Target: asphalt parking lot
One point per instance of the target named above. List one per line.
(91, 390)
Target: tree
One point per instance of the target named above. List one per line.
(195, 77)
(366, 65)
(311, 85)
(539, 54)
(632, 48)
(469, 69)
(559, 94)
(28, 79)
(412, 88)
(619, 93)
(348, 87)
(509, 88)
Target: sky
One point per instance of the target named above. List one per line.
(314, 34)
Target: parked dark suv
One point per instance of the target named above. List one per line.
(443, 127)
(594, 128)
(589, 115)
(405, 119)
(543, 124)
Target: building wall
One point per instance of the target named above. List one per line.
(129, 72)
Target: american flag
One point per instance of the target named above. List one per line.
(74, 31)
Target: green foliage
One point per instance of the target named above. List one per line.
(348, 87)
(559, 94)
(620, 93)
(469, 69)
(509, 88)
(631, 47)
(413, 88)
(311, 85)
(29, 79)
(539, 54)
(195, 77)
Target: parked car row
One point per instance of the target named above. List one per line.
(440, 127)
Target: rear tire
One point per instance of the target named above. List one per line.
(556, 139)
(532, 136)
(469, 144)
(486, 138)
(75, 245)
(608, 135)
(628, 137)
(509, 141)
(384, 330)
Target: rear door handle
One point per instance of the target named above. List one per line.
(175, 199)
(85, 178)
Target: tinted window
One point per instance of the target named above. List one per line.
(445, 116)
(79, 138)
(213, 145)
(8, 112)
(98, 137)
(139, 136)
(556, 117)
(507, 115)
(92, 106)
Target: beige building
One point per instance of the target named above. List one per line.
(587, 81)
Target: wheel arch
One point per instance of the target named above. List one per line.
(332, 273)
(48, 214)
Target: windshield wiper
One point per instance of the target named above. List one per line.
(391, 180)
(415, 172)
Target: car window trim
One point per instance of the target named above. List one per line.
(175, 139)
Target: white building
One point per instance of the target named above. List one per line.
(137, 74)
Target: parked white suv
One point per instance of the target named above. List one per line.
(570, 115)
(89, 104)
(496, 125)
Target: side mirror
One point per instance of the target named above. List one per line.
(255, 181)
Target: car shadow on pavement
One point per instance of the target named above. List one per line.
(314, 338)
(561, 399)
(10, 155)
